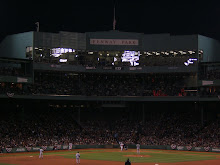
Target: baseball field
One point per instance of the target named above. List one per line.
(112, 157)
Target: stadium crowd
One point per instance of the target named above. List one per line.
(64, 83)
(51, 128)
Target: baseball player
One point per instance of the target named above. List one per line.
(138, 148)
(41, 153)
(128, 162)
(121, 145)
(77, 158)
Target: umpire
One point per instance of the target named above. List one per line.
(128, 162)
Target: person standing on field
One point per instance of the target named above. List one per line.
(138, 148)
(77, 158)
(121, 146)
(41, 153)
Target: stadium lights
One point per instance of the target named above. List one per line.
(56, 52)
(191, 52)
(183, 52)
(190, 61)
(132, 57)
(63, 60)
(200, 51)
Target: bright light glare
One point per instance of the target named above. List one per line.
(63, 60)
(132, 57)
(190, 61)
(56, 52)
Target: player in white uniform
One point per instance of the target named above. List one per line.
(138, 148)
(77, 158)
(41, 153)
(121, 145)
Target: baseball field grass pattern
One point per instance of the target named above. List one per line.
(146, 156)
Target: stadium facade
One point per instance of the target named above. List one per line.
(24, 45)
(137, 59)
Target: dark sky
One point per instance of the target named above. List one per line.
(144, 16)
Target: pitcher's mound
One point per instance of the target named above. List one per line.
(137, 156)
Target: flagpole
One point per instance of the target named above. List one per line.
(38, 26)
(114, 21)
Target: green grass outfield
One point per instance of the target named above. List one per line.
(160, 156)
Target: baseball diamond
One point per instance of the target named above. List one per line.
(109, 156)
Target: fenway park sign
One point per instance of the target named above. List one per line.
(113, 42)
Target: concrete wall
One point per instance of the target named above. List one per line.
(147, 42)
(163, 42)
(14, 46)
(60, 40)
(210, 47)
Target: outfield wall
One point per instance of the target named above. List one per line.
(69, 147)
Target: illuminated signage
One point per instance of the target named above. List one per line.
(113, 42)
(190, 61)
(56, 52)
(130, 56)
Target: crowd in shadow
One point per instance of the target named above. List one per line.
(55, 127)
(64, 83)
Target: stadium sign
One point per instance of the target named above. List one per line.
(36, 148)
(173, 146)
(206, 149)
(28, 148)
(8, 149)
(65, 147)
(198, 148)
(180, 147)
(20, 150)
(216, 149)
(50, 147)
(188, 148)
(113, 42)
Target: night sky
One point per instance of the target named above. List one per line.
(143, 16)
